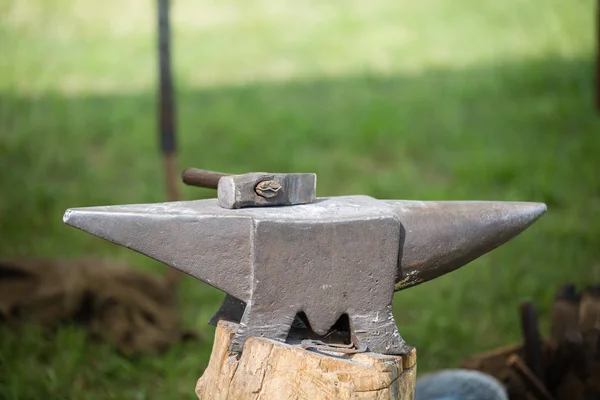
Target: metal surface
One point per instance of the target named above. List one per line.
(351, 348)
(231, 309)
(441, 236)
(338, 255)
(263, 189)
(256, 189)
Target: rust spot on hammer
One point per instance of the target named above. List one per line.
(267, 189)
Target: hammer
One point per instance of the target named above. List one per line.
(256, 189)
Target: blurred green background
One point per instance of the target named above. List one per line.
(398, 99)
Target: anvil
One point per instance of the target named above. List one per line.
(335, 256)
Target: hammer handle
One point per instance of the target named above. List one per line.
(202, 178)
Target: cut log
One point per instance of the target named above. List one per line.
(268, 369)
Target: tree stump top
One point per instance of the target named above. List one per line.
(268, 369)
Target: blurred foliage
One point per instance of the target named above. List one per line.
(395, 99)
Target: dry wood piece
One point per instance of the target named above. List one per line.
(589, 319)
(532, 344)
(569, 359)
(494, 363)
(531, 380)
(268, 369)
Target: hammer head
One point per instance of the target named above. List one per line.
(264, 189)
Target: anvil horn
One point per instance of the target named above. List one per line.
(441, 236)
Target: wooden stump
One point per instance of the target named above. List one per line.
(270, 369)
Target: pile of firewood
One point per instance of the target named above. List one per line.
(565, 366)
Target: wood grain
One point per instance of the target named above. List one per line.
(269, 369)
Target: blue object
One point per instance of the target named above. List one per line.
(459, 384)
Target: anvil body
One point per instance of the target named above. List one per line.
(338, 255)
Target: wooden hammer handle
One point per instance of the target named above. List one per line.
(202, 178)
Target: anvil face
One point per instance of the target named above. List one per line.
(337, 255)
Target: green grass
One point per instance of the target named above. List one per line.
(395, 99)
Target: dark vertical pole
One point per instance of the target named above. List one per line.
(166, 115)
(532, 344)
(166, 102)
